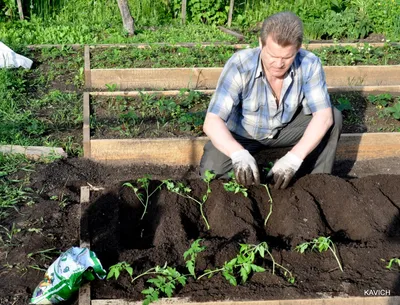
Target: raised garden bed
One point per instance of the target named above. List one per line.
(346, 210)
(52, 224)
(135, 128)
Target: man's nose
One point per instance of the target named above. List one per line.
(280, 62)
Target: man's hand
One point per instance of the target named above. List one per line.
(245, 168)
(284, 170)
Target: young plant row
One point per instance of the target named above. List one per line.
(149, 115)
(163, 280)
(216, 56)
(238, 269)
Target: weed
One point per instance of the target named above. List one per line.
(321, 244)
(10, 235)
(394, 110)
(380, 100)
(233, 186)
(343, 104)
(143, 183)
(183, 191)
(244, 264)
(115, 270)
(111, 87)
(192, 253)
(43, 255)
(395, 261)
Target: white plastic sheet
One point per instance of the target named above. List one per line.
(10, 59)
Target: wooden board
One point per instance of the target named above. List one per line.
(188, 151)
(84, 291)
(87, 72)
(33, 152)
(395, 300)
(207, 78)
(86, 125)
(162, 78)
(361, 89)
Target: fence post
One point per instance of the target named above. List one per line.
(183, 11)
(230, 13)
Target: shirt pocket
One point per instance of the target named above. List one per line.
(251, 112)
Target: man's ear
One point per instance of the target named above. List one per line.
(259, 42)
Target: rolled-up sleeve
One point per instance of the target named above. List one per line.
(315, 89)
(227, 93)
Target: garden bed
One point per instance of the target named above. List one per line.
(347, 211)
(181, 113)
(135, 129)
(52, 224)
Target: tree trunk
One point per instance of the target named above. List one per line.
(230, 13)
(21, 13)
(126, 17)
(183, 11)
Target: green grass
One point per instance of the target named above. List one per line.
(43, 106)
(13, 189)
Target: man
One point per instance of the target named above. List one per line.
(272, 96)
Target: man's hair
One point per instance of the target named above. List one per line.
(285, 28)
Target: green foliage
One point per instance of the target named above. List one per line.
(115, 270)
(394, 111)
(233, 186)
(165, 281)
(380, 100)
(184, 191)
(320, 244)
(191, 254)
(244, 264)
(343, 104)
(131, 117)
(14, 191)
(362, 55)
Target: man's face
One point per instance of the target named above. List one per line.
(276, 59)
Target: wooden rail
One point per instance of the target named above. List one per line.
(334, 301)
(207, 78)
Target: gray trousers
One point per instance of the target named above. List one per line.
(320, 160)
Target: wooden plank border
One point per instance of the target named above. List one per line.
(84, 291)
(34, 152)
(188, 151)
(361, 89)
(207, 78)
(395, 300)
(86, 125)
(87, 73)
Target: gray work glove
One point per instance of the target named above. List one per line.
(284, 169)
(245, 168)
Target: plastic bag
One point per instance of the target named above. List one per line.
(66, 274)
(10, 59)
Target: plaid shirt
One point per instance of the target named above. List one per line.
(244, 99)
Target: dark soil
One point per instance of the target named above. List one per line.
(358, 207)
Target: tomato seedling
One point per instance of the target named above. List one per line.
(321, 244)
